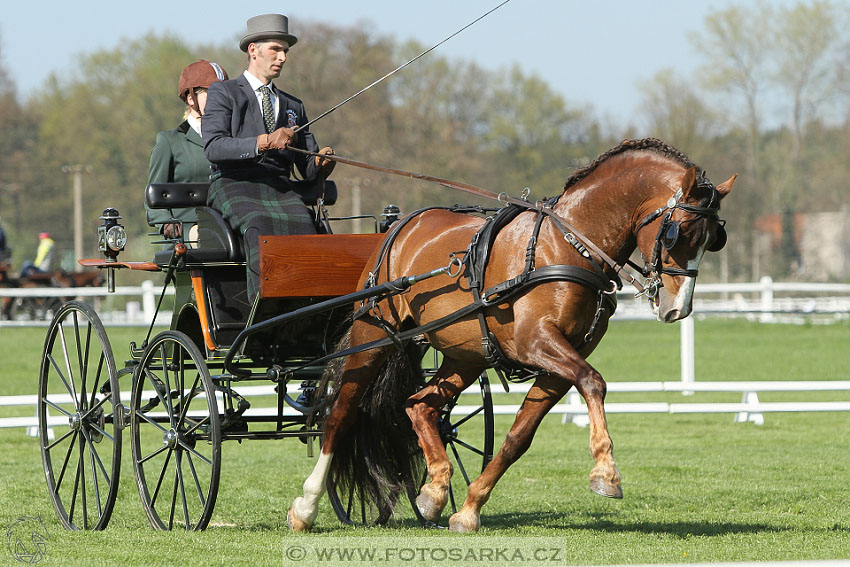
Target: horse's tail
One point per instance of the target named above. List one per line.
(377, 459)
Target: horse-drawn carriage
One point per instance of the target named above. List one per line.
(178, 396)
(526, 289)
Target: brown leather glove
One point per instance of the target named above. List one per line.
(277, 140)
(325, 165)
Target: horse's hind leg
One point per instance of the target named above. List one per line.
(360, 370)
(423, 408)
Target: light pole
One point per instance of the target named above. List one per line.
(77, 171)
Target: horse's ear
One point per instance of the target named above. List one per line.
(724, 188)
(689, 180)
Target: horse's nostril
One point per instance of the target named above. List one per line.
(672, 315)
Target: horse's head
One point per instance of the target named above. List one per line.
(677, 234)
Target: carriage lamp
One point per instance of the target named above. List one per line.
(111, 239)
(389, 216)
(111, 236)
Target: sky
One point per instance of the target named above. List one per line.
(591, 52)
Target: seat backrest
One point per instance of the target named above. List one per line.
(176, 195)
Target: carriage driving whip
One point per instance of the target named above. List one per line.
(399, 68)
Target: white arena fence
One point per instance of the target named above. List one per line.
(766, 301)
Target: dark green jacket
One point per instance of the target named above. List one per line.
(177, 157)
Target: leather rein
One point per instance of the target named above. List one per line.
(575, 237)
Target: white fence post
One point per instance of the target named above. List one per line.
(766, 283)
(148, 300)
(686, 333)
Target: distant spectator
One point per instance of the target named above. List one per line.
(43, 257)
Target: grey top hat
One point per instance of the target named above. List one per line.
(267, 26)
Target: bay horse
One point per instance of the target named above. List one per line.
(640, 194)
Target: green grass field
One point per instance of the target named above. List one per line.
(698, 488)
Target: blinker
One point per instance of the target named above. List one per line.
(719, 240)
(670, 235)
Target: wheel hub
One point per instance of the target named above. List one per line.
(75, 421)
(170, 438)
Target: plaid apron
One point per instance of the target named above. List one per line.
(259, 207)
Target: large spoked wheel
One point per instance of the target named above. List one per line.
(176, 434)
(78, 425)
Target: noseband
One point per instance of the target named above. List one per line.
(669, 232)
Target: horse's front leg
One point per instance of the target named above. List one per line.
(543, 395)
(423, 408)
(549, 351)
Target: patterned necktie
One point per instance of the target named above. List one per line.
(268, 109)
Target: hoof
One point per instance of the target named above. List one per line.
(603, 488)
(430, 503)
(295, 524)
(464, 523)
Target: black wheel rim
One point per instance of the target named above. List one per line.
(176, 437)
(80, 437)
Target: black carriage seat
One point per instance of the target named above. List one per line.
(217, 241)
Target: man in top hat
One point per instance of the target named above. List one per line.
(247, 126)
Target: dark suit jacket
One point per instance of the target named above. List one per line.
(177, 157)
(233, 120)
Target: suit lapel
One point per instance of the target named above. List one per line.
(193, 138)
(253, 103)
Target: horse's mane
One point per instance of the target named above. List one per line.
(651, 144)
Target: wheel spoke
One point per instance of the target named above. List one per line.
(97, 428)
(83, 360)
(93, 409)
(97, 377)
(169, 404)
(93, 460)
(194, 452)
(184, 409)
(183, 490)
(173, 503)
(151, 421)
(68, 386)
(154, 454)
(468, 446)
(59, 440)
(154, 382)
(68, 367)
(196, 425)
(197, 481)
(83, 477)
(459, 463)
(57, 408)
(65, 462)
(96, 457)
(468, 417)
(161, 477)
(74, 493)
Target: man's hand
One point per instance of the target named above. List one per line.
(325, 165)
(277, 140)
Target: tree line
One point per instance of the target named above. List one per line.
(770, 100)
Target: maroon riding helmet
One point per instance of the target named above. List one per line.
(199, 75)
